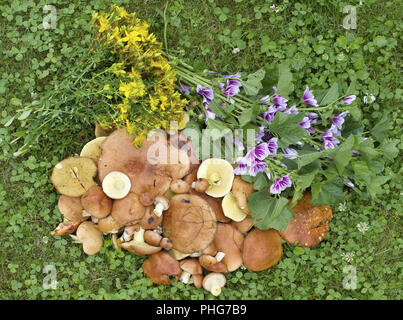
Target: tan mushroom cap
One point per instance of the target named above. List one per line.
(148, 177)
(65, 227)
(92, 149)
(310, 225)
(191, 265)
(229, 241)
(245, 225)
(210, 263)
(138, 246)
(179, 186)
(128, 209)
(90, 236)
(96, 202)
(108, 225)
(189, 223)
(150, 220)
(241, 191)
(261, 249)
(71, 208)
(74, 176)
(159, 267)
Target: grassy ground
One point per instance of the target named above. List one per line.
(307, 34)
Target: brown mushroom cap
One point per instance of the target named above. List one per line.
(150, 221)
(159, 267)
(241, 191)
(152, 238)
(310, 225)
(191, 265)
(189, 223)
(65, 227)
(245, 225)
(229, 241)
(96, 202)
(215, 204)
(138, 246)
(149, 179)
(179, 186)
(71, 208)
(212, 264)
(108, 225)
(261, 249)
(74, 176)
(90, 236)
(128, 209)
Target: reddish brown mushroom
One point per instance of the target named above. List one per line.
(128, 209)
(161, 267)
(96, 203)
(310, 225)
(261, 249)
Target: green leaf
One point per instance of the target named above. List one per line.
(248, 115)
(343, 154)
(261, 182)
(269, 212)
(287, 127)
(25, 114)
(15, 102)
(328, 193)
(284, 84)
(362, 170)
(375, 186)
(254, 82)
(367, 149)
(308, 158)
(217, 129)
(389, 150)
(9, 122)
(331, 95)
(380, 131)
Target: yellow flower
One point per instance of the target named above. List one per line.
(104, 24)
(153, 102)
(121, 11)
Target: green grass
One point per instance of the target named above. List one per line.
(309, 35)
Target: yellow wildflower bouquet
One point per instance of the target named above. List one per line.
(146, 94)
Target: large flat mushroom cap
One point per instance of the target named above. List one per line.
(74, 176)
(261, 249)
(189, 223)
(160, 266)
(128, 209)
(310, 225)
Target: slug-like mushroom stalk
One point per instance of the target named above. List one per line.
(65, 227)
(161, 204)
(261, 249)
(231, 209)
(220, 175)
(92, 149)
(138, 246)
(213, 282)
(91, 238)
(189, 223)
(310, 225)
(71, 209)
(116, 185)
(128, 209)
(74, 176)
(241, 191)
(96, 202)
(191, 272)
(161, 267)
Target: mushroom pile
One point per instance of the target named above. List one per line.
(192, 220)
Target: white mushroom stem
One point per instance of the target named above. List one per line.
(94, 219)
(158, 209)
(219, 256)
(185, 277)
(75, 238)
(196, 254)
(85, 214)
(193, 185)
(215, 290)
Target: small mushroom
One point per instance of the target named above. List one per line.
(261, 249)
(65, 227)
(96, 202)
(108, 225)
(128, 209)
(213, 282)
(241, 191)
(161, 204)
(310, 225)
(191, 272)
(211, 263)
(161, 267)
(93, 149)
(245, 225)
(71, 209)
(150, 221)
(128, 232)
(229, 241)
(138, 246)
(91, 238)
(156, 240)
(74, 176)
(220, 175)
(116, 185)
(179, 186)
(201, 185)
(231, 209)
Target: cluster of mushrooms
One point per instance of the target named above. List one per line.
(191, 219)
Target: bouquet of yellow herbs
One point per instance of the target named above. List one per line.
(149, 99)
